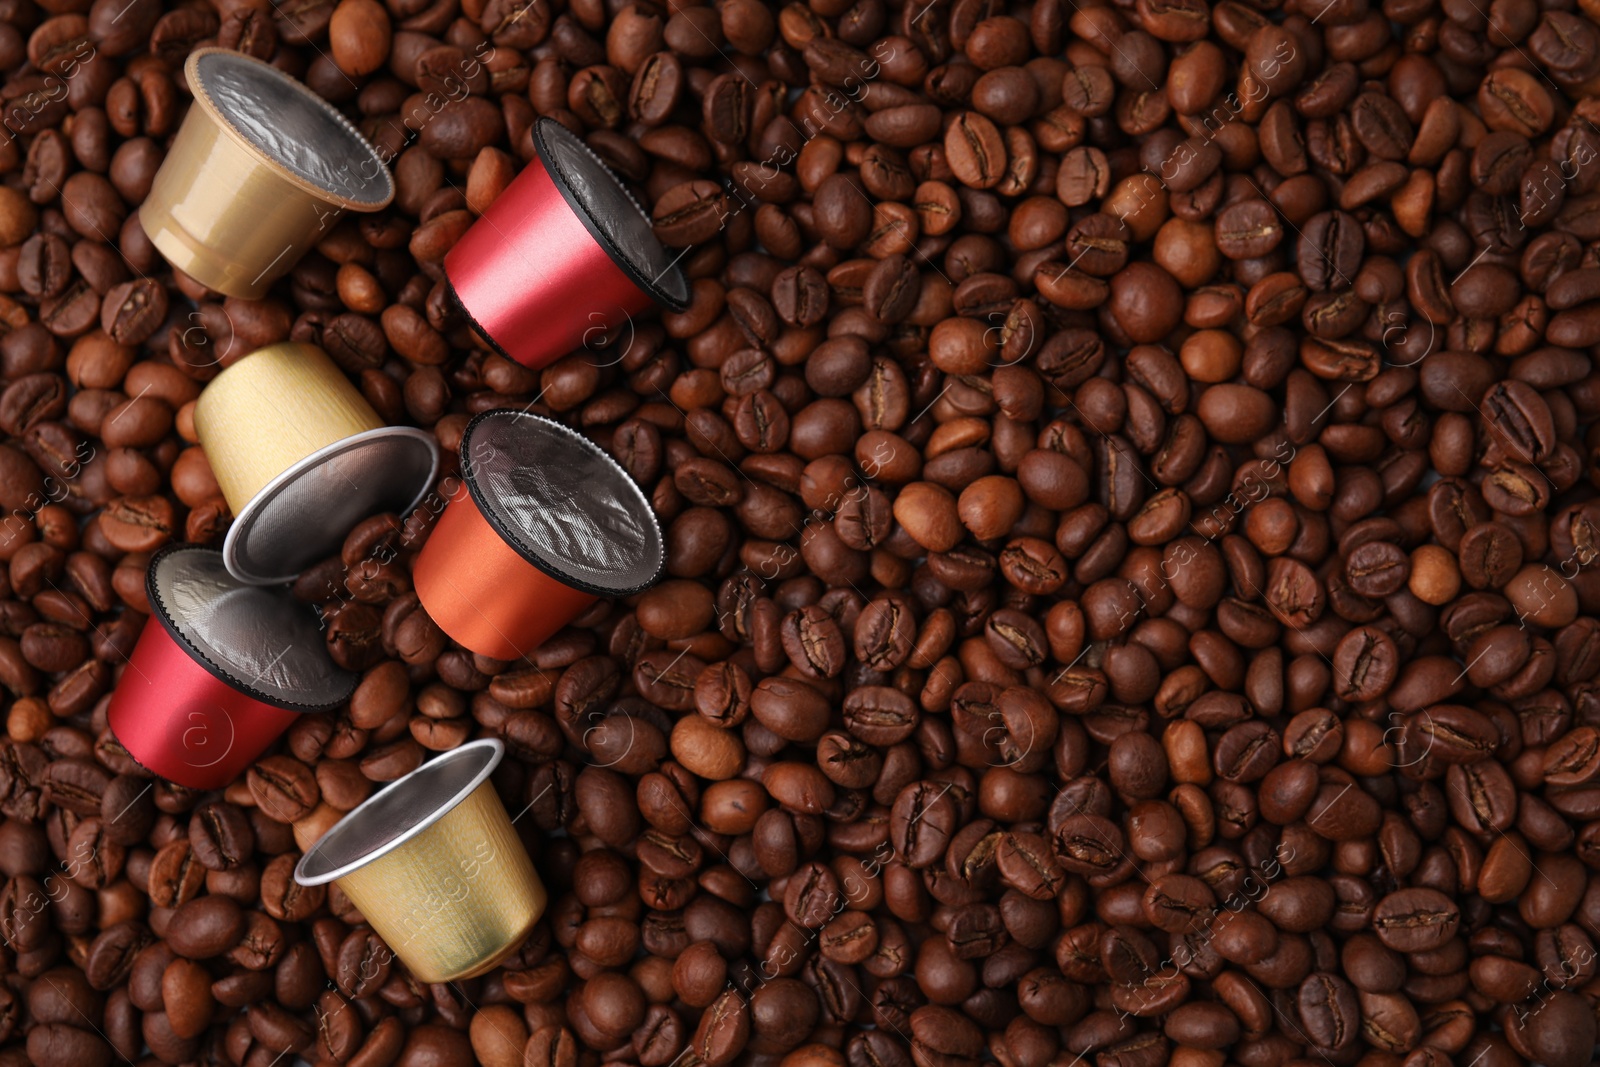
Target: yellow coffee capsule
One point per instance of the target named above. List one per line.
(301, 457)
(435, 866)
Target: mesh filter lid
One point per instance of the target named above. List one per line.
(257, 639)
(610, 214)
(294, 127)
(562, 503)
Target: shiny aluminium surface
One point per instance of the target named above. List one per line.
(562, 260)
(301, 457)
(483, 593)
(434, 864)
(544, 524)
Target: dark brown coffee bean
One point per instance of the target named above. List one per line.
(176, 875)
(800, 296)
(206, 927)
(1412, 920)
(78, 785)
(127, 809)
(362, 964)
(944, 1037)
(975, 150)
(283, 788)
(692, 213)
(220, 836)
(921, 822)
(1248, 230)
(892, 289)
(62, 1044)
(1329, 1010)
(1330, 250)
(133, 311)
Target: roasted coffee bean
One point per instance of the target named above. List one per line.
(127, 811)
(175, 874)
(206, 927)
(1412, 920)
(1125, 477)
(800, 296)
(220, 836)
(133, 311)
(283, 788)
(921, 822)
(1330, 1010)
(940, 1035)
(1330, 251)
(892, 289)
(76, 785)
(975, 150)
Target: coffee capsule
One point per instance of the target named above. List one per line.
(564, 258)
(261, 169)
(543, 525)
(301, 457)
(219, 672)
(434, 864)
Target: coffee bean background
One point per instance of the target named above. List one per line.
(1129, 477)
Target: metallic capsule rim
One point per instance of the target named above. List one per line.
(440, 810)
(244, 522)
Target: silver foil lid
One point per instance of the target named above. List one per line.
(294, 127)
(562, 503)
(259, 640)
(301, 517)
(611, 214)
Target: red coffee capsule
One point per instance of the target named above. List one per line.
(563, 259)
(545, 524)
(222, 669)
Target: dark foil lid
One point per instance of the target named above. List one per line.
(562, 503)
(257, 639)
(611, 214)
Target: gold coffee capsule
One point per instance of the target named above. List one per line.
(259, 172)
(301, 457)
(433, 863)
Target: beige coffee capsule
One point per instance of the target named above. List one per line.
(434, 864)
(259, 172)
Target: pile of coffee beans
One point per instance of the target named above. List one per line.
(1129, 477)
